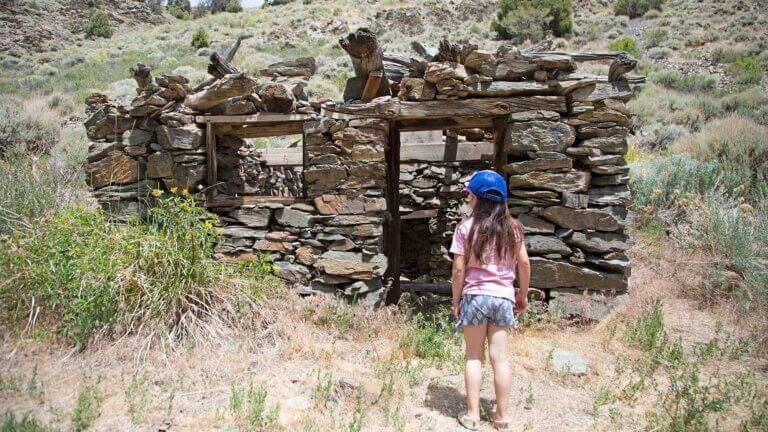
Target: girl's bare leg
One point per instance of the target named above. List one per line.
(502, 381)
(474, 337)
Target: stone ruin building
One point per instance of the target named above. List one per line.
(365, 203)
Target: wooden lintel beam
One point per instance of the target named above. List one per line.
(260, 130)
(253, 118)
(445, 123)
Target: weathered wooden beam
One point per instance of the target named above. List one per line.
(445, 123)
(512, 88)
(391, 227)
(227, 87)
(488, 107)
(499, 155)
(210, 155)
(465, 151)
(143, 76)
(260, 130)
(372, 85)
(263, 117)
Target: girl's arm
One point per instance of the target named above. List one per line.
(457, 282)
(524, 279)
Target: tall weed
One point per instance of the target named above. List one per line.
(81, 274)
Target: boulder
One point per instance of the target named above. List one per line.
(252, 217)
(568, 362)
(540, 245)
(582, 219)
(614, 144)
(294, 273)
(522, 138)
(187, 137)
(541, 164)
(416, 89)
(159, 165)
(137, 137)
(534, 115)
(600, 242)
(346, 204)
(277, 98)
(556, 274)
(293, 218)
(115, 168)
(571, 181)
(307, 255)
(592, 306)
(610, 195)
(352, 264)
(477, 58)
(534, 225)
(438, 71)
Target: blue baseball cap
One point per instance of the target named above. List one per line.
(488, 185)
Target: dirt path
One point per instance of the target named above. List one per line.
(314, 372)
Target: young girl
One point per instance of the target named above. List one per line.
(487, 247)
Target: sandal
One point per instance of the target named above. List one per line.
(468, 422)
(502, 425)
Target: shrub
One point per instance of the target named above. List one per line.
(23, 424)
(686, 83)
(33, 5)
(200, 39)
(87, 408)
(738, 145)
(664, 183)
(751, 103)
(27, 132)
(428, 338)
(735, 234)
(530, 19)
(233, 6)
(636, 8)
(98, 26)
(178, 12)
(88, 275)
(656, 36)
(181, 4)
(659, 53)
(749, 70)
(625, 45)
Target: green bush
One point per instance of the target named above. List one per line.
(685, 83)
(200, 39)
(27, 132)
(738, 145)
(233, 6)
(751, 103)
(98, 26)
(87, 274)
(428, 338)
(663, 183)
(636, 8)
(23, 424)
(625, 45)
(178, 12)
(749, 70)
(656, 36)
(519, 20)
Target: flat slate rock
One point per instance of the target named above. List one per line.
(570, 181)
(583, 219)
(568, 362)
(600, 242)
(522, 138)
(557, 274)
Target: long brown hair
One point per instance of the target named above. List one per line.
(493, 226)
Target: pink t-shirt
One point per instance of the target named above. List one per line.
(494, 278)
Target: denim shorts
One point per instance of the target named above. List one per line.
(482, 309)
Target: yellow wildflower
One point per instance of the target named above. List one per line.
(174, 190)
(156, 192)
(657, 192)
(184, 192)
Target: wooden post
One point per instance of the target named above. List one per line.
(372, 85)
(499, 156)
(210, 153)
(392, 224)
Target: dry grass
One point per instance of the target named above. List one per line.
(294, 346)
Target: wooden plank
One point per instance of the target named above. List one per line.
(210, 154)
(284, 157)
(420, 137)
(465, 151)
(262, 117)
(499, 155)
(253, 200)
(260, 130)
(420, 214)
(446, 123)
(451, 145)
(372, 85)
(512, 88)
(392, 234)
(449, 108)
